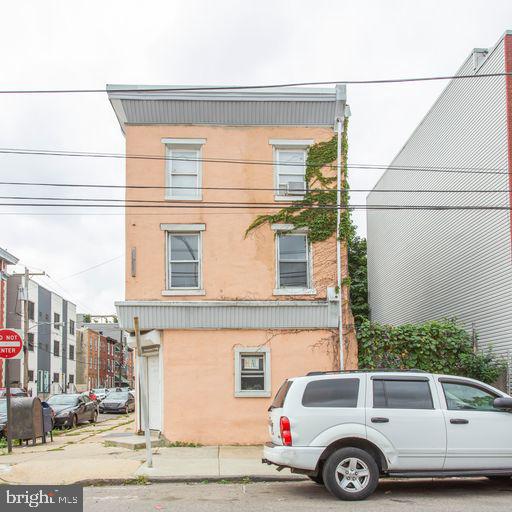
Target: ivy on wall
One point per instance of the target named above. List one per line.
(436, 346)
(317, 210)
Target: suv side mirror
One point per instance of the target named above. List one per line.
(503, 402)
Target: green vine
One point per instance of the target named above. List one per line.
(317, 209)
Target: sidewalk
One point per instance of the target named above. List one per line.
(87, 455)
(211, 462)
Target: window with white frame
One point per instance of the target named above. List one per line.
(184, 255)
(290, 165)
(252, 371)
(293, 269)
(183, 168)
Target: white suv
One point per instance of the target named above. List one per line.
(346, 429)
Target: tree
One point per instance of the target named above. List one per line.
(357, 268)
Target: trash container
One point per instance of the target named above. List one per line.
(47, 420)
(26, 421)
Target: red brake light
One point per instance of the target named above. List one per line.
(286, 434)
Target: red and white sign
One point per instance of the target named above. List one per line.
(10, 344)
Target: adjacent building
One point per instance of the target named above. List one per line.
(51, 337)
(432, 263)
(225, 317)
(5, 259)
(106, 360)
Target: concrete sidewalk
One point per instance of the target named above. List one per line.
(110, 453)
(211, 462)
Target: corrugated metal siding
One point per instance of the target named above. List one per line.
(230, 112)
(426, 265)
(228, 315)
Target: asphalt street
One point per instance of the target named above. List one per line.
(450, 495)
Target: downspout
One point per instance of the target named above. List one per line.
(339, 122)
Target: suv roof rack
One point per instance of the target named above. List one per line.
(365, 370)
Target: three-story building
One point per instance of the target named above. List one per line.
(226, 316)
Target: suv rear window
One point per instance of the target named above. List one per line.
(331, 393)
(401, 394)
(281, 395)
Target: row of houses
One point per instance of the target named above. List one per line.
(63, 354)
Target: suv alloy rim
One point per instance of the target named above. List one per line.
(352, 474)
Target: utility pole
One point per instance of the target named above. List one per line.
(26, 279)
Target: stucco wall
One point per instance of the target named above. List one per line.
(234, 267)
(199, 381)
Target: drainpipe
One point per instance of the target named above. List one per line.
(339, 121)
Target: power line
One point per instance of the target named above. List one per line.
(268, 206)
(371, 167)
(245, 87)
(93, 267)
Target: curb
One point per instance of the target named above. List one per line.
(191, 479)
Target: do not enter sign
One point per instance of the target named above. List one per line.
(10, 344)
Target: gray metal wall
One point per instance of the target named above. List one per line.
(428, 265)
(44, 347)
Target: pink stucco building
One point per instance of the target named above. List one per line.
(225, 317)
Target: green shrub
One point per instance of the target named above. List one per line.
(436, 346)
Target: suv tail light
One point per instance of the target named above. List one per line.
(286, 434)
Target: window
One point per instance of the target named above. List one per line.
(56, 348)
(252, 372)
(184, 168)
(71, 352)
(469, 398)
(31, 308)
(71, 327)
(281, 394)
(290, 166)
(293, 261)
(31, 375)
(31, 341)
(71, 378)
(184, 260)
(56, 320)
(331, 393)
(401, 394)
(55, 377)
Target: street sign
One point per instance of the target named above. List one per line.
(10, 344)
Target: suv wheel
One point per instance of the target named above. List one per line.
(351, 474)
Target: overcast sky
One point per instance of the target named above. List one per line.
(63, 44)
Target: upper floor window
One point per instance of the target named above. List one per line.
(31, 307)
(183, 168)
(56, 320)
(290, 168)
(184, 260)
(71, 327)
(293, 261)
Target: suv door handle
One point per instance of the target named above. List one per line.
(380, 420)
(459, 421)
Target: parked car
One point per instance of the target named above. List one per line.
(71, 409)
(347, 429)
(3, 418)
(118, 401)
(14, 392)
(100, 393)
